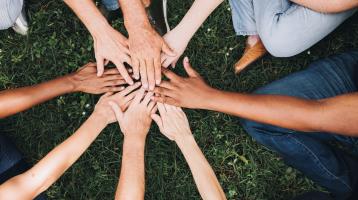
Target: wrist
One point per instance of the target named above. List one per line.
(209, 99)
(72, 82)
(99, 28)
(135, 140)
(101, 118)
(135, 26)
(185, 140)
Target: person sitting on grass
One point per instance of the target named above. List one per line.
(13, 101)
(298, 116)
(42, 175)
(284, 27)
(172, 122)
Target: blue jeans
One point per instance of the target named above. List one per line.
(285, 28)
(111, 4)
(312, 153)
(12, 162)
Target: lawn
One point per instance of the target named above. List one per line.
(58, 44)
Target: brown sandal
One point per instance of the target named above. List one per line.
(251, 54)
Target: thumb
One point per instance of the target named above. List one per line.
(100, 66)
(167, 50)
(117, 110)
(189, 70)
(158, 121)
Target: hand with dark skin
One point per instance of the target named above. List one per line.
(332, 115)
(145, 44)
(83, 80)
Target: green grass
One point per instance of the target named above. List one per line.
(58, 44)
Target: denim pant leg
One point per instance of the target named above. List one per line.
(111, 4)
(311, 153)
(9, 12)
(243, 17)
(287, 29)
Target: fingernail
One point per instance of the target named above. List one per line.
(145, 86)
(157, 82)
(151, 88)
(186, 59)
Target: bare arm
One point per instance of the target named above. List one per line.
(328, 6)
(16, 100)
(335, 115)
(131, 184)
(109, 44)
(174, 124)
(134, 123)
(145, 44)
(179, 37)
(36, 180)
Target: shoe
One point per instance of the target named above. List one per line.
(157, 15)
(110, 15)
(21, 25)
(251, 54)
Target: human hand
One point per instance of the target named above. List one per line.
(190, 92)
(177, 43)
(145, 47)
(86, 80)
(122, 99)
(172, 122)
(111, 45)
(135, 121)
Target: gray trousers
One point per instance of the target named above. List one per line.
(285, 28)
(9, 12)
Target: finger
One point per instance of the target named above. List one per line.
(129, 97)
(174, 63)
(168, 85)
(112, 77)
(167, 50)
(165, 100)
(155, 108)
(163, 57)
(124, 72)
(164, 92)
(143, 74)
(106, 62)
(111, 71)
(114, 83)
(166, 63)
(158, 120)
(189, 70)
(127, 59)
(113, 89)
(150, 73)
(151, 106)
(107, 94)
(135, 66)
(130, 88)
(100, 65)
(147, 98)
(161, 109)
(139, 96)
(158, 71)
(117, 110)
(170, 75)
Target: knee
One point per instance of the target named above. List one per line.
(280, 44)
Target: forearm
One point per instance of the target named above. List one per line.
(134, 14)
(55, 163)
(90, 16)
(16, 100)
(331, 6)
(195, 17)
(335, 115)
(131, 184)
(204, 176)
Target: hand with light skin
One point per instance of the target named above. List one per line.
(178, 42)
(123, 99)
(134, 123)
(145, 44)
(109, 44)
(174, 124)
(188, 92)
(40, 177)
